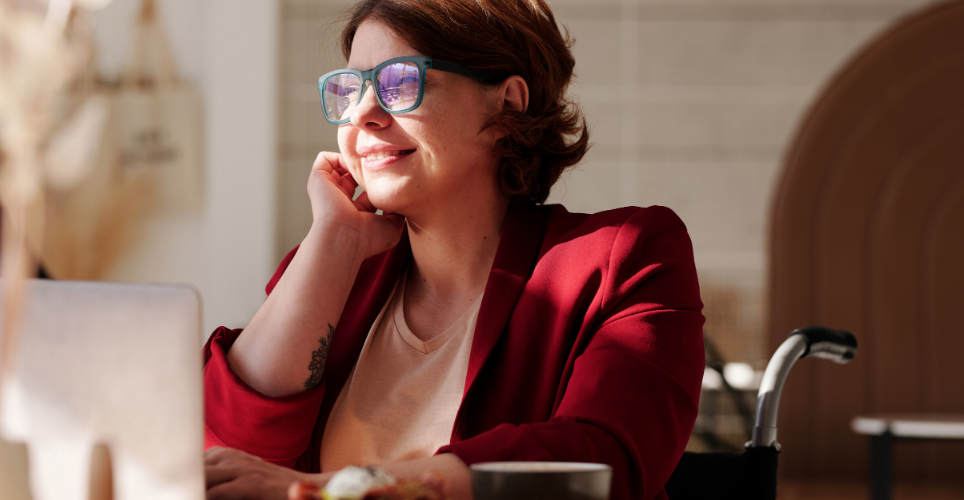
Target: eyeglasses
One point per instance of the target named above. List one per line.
(399, 85)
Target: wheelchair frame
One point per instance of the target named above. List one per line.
(752, 475)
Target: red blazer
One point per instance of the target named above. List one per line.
(588, 348)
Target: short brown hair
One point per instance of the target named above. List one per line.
(512, 37)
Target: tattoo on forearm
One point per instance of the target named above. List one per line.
(318, 359)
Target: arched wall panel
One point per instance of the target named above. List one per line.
(942, 326)
(866, 235)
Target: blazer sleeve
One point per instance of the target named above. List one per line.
(277, 429)
(632, 397)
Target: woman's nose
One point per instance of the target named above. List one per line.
(368, 113)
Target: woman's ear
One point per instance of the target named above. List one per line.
(512, 93)
(515, 93)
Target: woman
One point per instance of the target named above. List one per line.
(468, 323)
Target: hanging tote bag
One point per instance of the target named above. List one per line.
(148, 162)
(157, 119)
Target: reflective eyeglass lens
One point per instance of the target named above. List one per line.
(398, 85)
(340, 93)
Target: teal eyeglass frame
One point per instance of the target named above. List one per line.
(423, 63)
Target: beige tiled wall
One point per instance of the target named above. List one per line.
(691, 104)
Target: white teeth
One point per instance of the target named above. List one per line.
(381, 155)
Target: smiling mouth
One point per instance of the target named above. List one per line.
(381, 155)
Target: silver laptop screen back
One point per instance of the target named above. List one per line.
(118, 364)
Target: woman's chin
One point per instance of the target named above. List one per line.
(387, 202)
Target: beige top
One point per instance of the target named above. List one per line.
(400, 401)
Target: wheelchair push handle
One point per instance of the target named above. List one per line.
(836, 345)
(816, 341)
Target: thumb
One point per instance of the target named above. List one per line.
(397, 220)
(389, 230)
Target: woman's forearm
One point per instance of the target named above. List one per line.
(283, 349)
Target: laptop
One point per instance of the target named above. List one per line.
(109, 364)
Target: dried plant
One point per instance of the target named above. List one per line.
(45, 48)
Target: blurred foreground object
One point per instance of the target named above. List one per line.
(44, 49)
(866, 234)
(107, 393)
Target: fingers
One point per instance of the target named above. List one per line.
(216, 454)
(351, 178)
(304, 490)
(328, 161)
(347, 184)
(332, 164)
(224, 464)
(215, 475)
(227, 491)
(363, 204)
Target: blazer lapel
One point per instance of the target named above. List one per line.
(514, 260)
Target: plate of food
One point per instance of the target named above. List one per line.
(370, 483)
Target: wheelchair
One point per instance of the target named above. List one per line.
(752, 474)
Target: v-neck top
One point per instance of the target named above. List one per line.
(400, 401)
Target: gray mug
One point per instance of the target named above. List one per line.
(540, 480)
